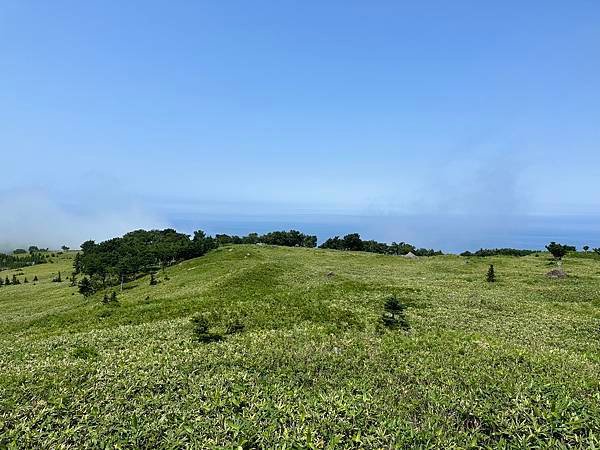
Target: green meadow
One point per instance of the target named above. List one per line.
(510, 364)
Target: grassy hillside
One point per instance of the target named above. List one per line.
(513, 363)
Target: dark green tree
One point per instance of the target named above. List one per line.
(15, 280)
(586, 248)
(394, 316)
(113, 297)
(558, 250)
(235, 325)
(491, 275)
(35, 279)
(85, 287)
(202, 330)
(352, 242)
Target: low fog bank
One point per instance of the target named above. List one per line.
(35, 218)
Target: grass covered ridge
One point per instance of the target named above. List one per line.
(513, 363)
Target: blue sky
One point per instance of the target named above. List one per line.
(452, 124)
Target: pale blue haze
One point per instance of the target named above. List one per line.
(454, 124)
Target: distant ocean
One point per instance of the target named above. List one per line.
(450, 233)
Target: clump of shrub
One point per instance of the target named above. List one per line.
(57, 278)
(104, 313)
(394, 316)
(491, 275)
(153, 280)
(201, 330)
(85, 352)
(235, 325)
(106, 299)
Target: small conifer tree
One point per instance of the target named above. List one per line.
(201, 330)
(85, 287)
(15, 280)
(113, 297)
(7, 281)
(25, 280)
(393, 316)
(491, 275)
(234, 326)
(105, 298)
(152, 280)
(35, 279)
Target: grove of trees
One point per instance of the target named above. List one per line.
(353, 242)
(23, 260)
(499, 252)
(136, 253)
(291, 238)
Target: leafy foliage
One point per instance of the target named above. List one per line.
(353, 242)
(139, 252)
(292, 238)
(559, 250)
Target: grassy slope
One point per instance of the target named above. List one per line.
(514, 363)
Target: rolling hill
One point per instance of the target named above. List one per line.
(513, 363)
